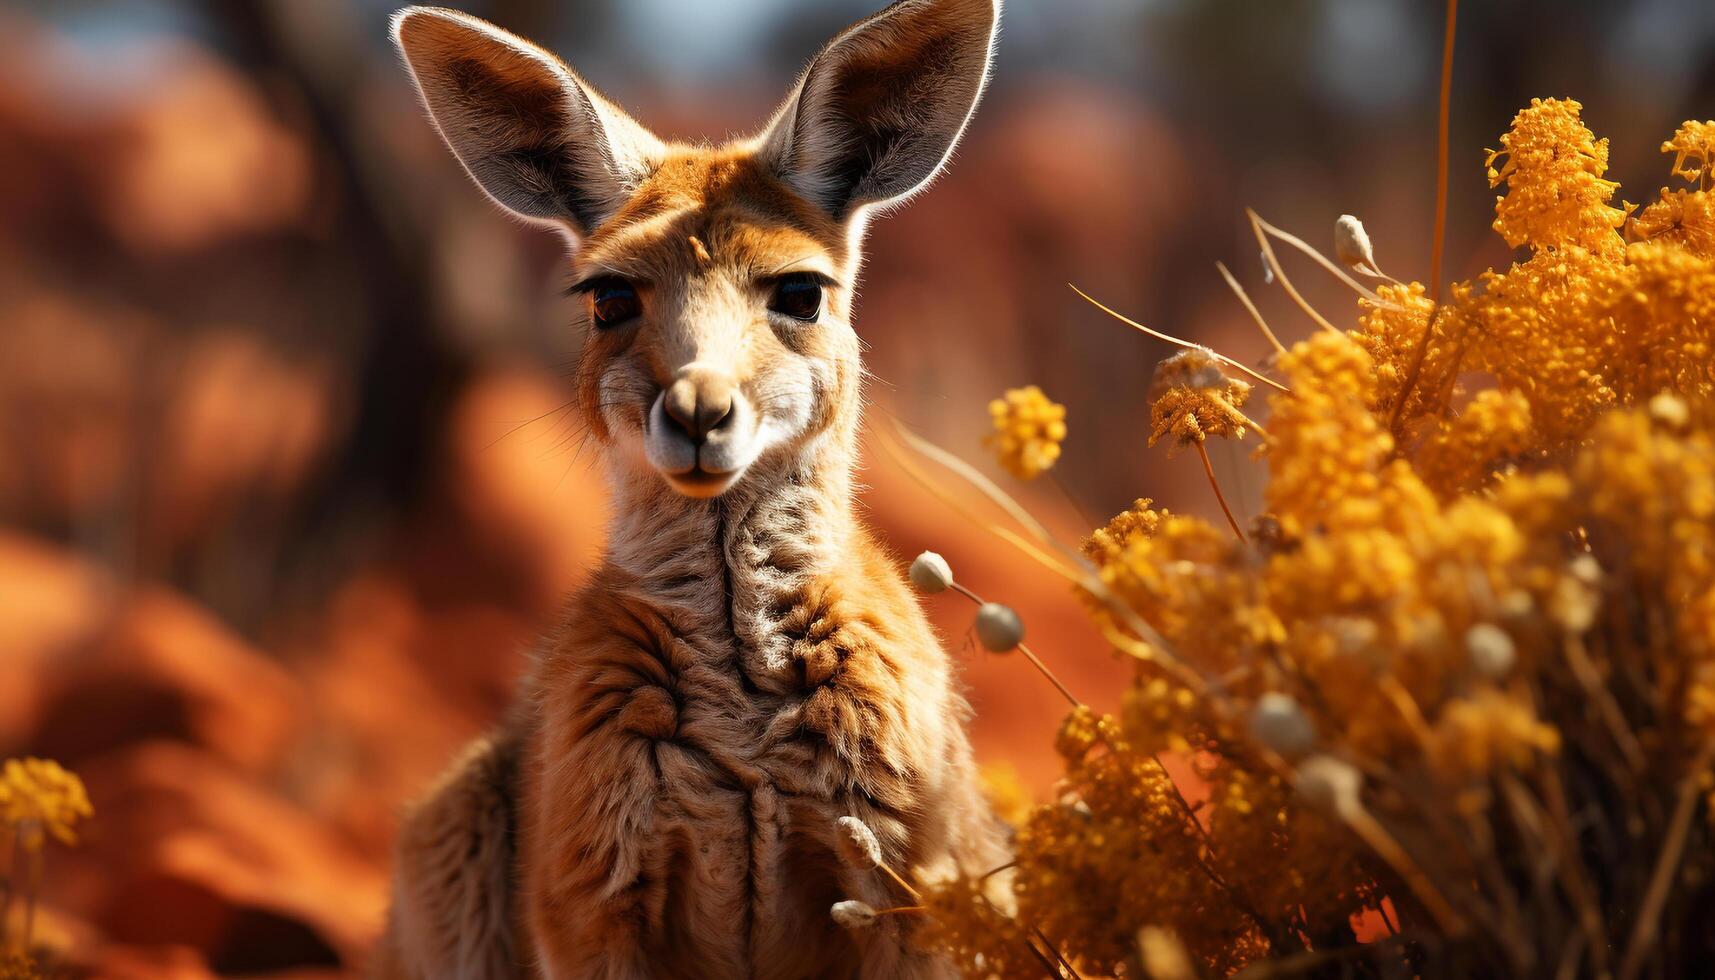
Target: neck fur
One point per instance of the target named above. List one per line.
(725, 569)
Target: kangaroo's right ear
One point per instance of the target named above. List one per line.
(539, 140)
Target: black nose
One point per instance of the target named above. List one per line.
(699, 402)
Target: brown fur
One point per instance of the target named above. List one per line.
(745, 667)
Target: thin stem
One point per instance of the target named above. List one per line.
(1280, 273)
(1442, 139)
(1035, 661)
(1209, 468)
(8, 868)
(32, 889)
(1070, 698)
(1065, 491)
(1250, 307)
(1169, 338)
(1289, 238)
(900, 910)
(1667, 866)
(909, 890)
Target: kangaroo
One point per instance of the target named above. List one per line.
(746, 665)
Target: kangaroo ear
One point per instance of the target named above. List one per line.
(880, 108)
(541, 142)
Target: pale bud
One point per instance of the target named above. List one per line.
(1164, 956)
(1491, 650)
(1330, 784)
(853, 914)
(998, 628)
(930, 573)
(1574, 603)
(1669, 410)
(1352, 245)
(1278, 723)
(856, 844)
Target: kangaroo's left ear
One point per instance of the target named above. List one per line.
(880, 108)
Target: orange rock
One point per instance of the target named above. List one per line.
(162, 668)
(189, 852)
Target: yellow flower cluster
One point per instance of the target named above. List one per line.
(1192, 398)
(38, 797)
(1556, 194)
(1028, 430)
(1693, 147)
(1468, 673)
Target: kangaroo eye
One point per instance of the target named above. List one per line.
(614, 301)
(798, 296)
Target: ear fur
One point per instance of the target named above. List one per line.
(532, 134)
(879, 110)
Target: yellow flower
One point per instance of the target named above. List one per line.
(1553, 170)
(1191, 398)
(42, 797)
(1140, 520)
(1028, 430)
(1693, 147)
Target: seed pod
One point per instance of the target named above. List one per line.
(1278, 723)
(1669, 411)
(1352, 245)
(1164, 956)
(1330, 784)
(998, 628)
(853, 914)
(1491, 650)
(856, 844)
(930, 573)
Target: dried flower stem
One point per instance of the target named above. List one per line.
(1065, 491)
(1289, 238)
(1377, 839)
(1222, 401)
(1280, 273)
(1208, 468)
(1250, 307)
(900, 910)
(1169, 338)
(1438, 245)
(31, 890)
(1035, 661)
(1667, 865)
(8, 869)
(898, 879)
(1442, 126)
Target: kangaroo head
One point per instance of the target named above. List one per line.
(717, 280)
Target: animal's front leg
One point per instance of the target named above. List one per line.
(592, 888)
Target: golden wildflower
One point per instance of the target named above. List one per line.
(1028, 431)
(1553, 169)
(1141, 519)
(1192, 398)
(1693, 147)
(1474, 736)
(1491, 596)
(43, 798)
(1681, 217)
(1489, 433)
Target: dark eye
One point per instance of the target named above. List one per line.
(614, 301)
(798, 296)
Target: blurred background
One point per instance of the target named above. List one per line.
(287, 478)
